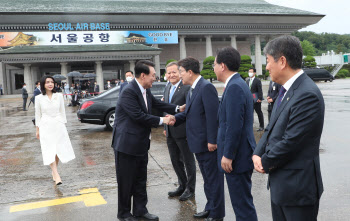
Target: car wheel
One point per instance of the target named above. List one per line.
(325, 80)
(110, 120)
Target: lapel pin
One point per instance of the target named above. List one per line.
(287, 98)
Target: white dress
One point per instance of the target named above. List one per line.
(50, 117)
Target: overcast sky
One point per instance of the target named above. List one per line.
(337, 19)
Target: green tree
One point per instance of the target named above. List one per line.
(309, 62)
(344, 72)
(308, 48)
(171, 60)
(208, 70)
(246, 64)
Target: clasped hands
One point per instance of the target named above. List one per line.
(169, 120)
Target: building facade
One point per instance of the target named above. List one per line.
(202, 26)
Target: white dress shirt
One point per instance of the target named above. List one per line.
(290, 82)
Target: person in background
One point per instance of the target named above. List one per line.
(272, 95)
(50, 120)
(96, 89)
(37, 90)
(255, 86)
(181, 157)
(24, 96)
(1, 92)
(129, 76)
(75, 98)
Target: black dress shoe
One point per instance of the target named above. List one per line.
(130, 218)
(186, 195)
(214, 219)
(148, 216)
(177, 192)
(201, 215)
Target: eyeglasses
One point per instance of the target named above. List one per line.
(213, 65)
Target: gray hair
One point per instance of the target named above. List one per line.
(171, 64)
(287, 46)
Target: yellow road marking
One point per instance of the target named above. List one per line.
(91, 197)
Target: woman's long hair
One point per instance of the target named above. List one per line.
(42, 84)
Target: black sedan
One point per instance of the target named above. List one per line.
(319, 74)
(100, 109)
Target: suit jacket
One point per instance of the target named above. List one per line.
(289, 148)
(256, 87)
(24, 93)
(235, 135)
(179, 98)
(273, 93)
(133, 121)
(36, 92)
(200, 116)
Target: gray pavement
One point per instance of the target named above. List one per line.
(24, 179)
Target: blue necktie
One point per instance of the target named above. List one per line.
(280, 96)
(172, 93)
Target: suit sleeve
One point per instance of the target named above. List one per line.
(260, 90)
(211, 105)
(129, 103)
(163, 106)
(303, 116)
(235, 111)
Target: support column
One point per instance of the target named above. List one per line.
(157, 62)
(258, 63)
(99, 75)
(182, 47)
(64, 69)
(208, 46)
(3, 78)
(234, 41)
(28, 78)
(132, 66)
(34, 73)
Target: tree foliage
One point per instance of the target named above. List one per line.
(171, 60)
(208, 70)
(325, 41)
(246, 64)
(308, 48)
(309, 62)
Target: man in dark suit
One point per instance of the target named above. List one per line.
(24, 96)
(37, 90)
(255, 86)
(129, 76)
(236, 141)
(201, 111)
(131, 140)
(96, 88)
(289, 149)
(75, 98)
(272, 95)
(180, 154)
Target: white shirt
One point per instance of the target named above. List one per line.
(229, 78)
(142, 91)
(196, 81)
(290, 82)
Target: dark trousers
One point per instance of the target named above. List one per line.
(240, 189)
(181, 158)
(131, 177)
(25, 103)
(294, 213)
(213, 184)
(269, 109)
(257, 108)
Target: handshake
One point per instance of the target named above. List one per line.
(169, 120)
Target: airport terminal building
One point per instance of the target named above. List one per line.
(199, 26)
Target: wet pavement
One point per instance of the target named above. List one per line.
(24, 178)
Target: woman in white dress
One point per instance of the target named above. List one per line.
(50, 119)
